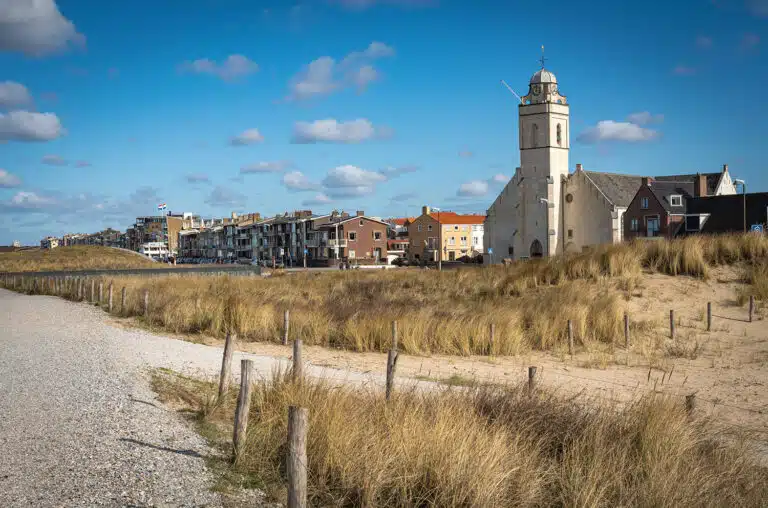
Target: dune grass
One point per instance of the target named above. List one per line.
(448, 312)
(76, 257)
(478, 446)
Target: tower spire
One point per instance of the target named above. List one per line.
(542, 56)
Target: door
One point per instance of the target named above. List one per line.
(537, 250)
(652, 226)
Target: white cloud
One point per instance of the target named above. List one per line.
(297, 181)
(247, 137)
(24, 201)
(14, 94)
(224, 197)
(473, 189)
(8, 180)
(319, 199)
(332, 131)
(608, 130)
(684, 70)
(26, 126)
(54, 160)
(35, 27)
(352, 176)
(644, 118)
(232, 68)
(499, 178)
(197, 178)
(324, 75)
(703, 41)
(266, 167)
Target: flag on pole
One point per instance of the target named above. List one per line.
(162, 206)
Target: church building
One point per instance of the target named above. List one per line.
(545, 209)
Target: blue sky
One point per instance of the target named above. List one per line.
(213, 106)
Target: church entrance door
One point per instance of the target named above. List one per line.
(537, 250)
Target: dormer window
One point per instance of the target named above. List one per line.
(676, 200)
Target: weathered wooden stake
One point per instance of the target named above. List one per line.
(570, 337)
(531, 379)
(93, 290)
(243, 407)
(101, 292)
(626, 330)
(297, 365)
(751, 307)
(122, 300)
(296, 463)
(286, 325)
(226, 364)
(690, 402)
(491, 338)
(146, 303)
(709, 316)
(392, 356)
(109, 305)
(672, 324)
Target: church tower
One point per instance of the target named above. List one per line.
(544, 142)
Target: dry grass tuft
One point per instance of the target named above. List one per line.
(77, 257)
(480, 446)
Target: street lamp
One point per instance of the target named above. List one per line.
(545, 201)
(439, 241)
(744, 198)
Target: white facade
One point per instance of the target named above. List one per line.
(477, 239)
(154, 250)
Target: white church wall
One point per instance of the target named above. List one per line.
(589, 217)
(502, 221)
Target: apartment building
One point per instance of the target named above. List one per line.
(357, 238)
(49, 242)
(447, 236)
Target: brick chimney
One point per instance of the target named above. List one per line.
(425, 210)
(700, 185)
(579, 168)
(725, 168)
(360, 213)
(645, 181)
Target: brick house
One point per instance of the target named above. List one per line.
(657, 210)
(359, 239)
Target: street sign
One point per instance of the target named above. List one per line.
(757, 228)
(306, 252)
(490, 250)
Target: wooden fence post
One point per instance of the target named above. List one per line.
(101, 292)
(243, 407)
(709, 316)
(570, 337)
(672, 324)
(122, 300)
(146, 303)
(751, 307)
(226, 364)
(531, 379)
(286, 325)
(110, 298)
(392, 356)
(93, 290)
(297, 365)
(491, 338)
(626, 330)
(297, 457)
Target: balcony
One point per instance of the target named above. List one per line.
(337, 243)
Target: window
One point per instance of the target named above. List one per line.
(511, 251)
(676, 200)
(534, 135)
(559, 135)
(475, 240)
(633, 225)
(351, 254)
(361, 222)
(452, 240)
(418, 228)
(644, 203)
(377, 235)
(455, 228)
(352, 236)
(570, 233)
(652, 225)
(429, 227)
(463, 240)
(692, 223)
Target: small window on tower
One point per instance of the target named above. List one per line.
(534, 135)
(570, 233)
(559, 135)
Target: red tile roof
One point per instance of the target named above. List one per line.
(402, 221)
(455, 218)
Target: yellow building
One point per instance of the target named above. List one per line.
(447, 235)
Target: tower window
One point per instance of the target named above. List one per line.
(559, 135)
(534, 135)
(570, 233)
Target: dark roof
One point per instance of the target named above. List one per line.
(726, 213)
(713, 179)
(619, 189)
(663, 190)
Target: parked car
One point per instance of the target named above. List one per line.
(401, 261)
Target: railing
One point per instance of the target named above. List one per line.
(340, 243)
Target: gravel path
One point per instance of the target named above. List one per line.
(79, 424)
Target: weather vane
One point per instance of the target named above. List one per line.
(542, 56)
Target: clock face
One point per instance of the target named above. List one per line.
(537, 89)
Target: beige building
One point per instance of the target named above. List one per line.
(447, 235)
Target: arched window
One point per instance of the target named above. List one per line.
(559, 135)
(537, 250)
(534, 135)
